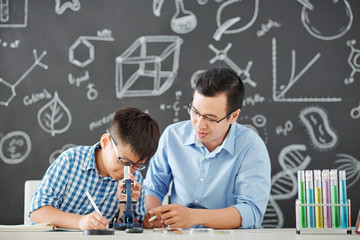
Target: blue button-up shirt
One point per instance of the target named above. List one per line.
(236, 173)
(74, 172)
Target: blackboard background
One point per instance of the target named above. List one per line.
(47, 30)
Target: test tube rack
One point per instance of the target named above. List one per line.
(300, 230)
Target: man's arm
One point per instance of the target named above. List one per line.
(177, 216)
(50, 214)
(151, 202)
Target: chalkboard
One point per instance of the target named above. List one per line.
(67, 66)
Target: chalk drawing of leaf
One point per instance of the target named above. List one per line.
(54, 117)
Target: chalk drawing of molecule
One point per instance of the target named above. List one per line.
(353, 61)
(7, 90)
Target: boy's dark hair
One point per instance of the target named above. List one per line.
(218, 80)
(131, 125)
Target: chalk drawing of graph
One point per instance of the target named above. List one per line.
(13, 13)
(279, 94)
(148, 67)
(284, 184)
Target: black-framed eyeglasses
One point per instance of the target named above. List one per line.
(125, 161)
(195, 114)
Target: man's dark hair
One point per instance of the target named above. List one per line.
(218, 80)
(131, 125)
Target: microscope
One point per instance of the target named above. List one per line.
(127, 219)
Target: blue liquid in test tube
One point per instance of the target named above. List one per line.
(342, 193)
(310, 198)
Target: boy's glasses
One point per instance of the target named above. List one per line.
(125, 161)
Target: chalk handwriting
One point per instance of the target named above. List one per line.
(266, 27)
(35, 97)
(102, 121)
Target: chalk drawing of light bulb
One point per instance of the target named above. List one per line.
(54, 117)
(183, 21)
(317, 16)
(235, 24)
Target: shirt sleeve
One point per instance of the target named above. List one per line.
(158, 176)
(52, 186)
(253, 186)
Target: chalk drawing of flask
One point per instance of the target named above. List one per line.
(183, 21)
(316, 17)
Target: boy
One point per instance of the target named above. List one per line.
(132, 138)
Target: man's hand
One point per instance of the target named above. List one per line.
(135, 191)
(157, 223)
(93, 221)
(174, 216)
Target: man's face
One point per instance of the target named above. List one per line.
(211, 133)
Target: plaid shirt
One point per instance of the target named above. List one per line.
(74, 172)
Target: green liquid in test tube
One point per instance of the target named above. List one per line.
(301, 197)
(334, 198)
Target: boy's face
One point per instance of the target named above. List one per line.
(110, 166)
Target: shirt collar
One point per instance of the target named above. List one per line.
(89, 162)
(228, 143)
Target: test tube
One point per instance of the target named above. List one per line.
(334, 198)
(343, 199)
(318, 199)
(310, 198)
(301, 197)
(326, 198)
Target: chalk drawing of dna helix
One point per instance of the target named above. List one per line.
(284, 183)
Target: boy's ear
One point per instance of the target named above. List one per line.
(104, 140)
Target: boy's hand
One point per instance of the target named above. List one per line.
(93, 221)
(135, 191)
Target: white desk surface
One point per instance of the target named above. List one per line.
(255, 234)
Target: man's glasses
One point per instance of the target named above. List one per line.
(195, 114)
(125, 161)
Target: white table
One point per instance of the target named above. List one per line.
(256, 234)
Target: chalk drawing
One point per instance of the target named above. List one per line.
(92, 93)
(353, 61)
(257, 123)
(355, 112)
(183, 21)
(36, 97)
(314, 14)
(77, 81)
(267, 27)
(221, 55)
(352, 167)
(15, 147)
(284, 130)
(54, 117)
(102, 121)
(104, 35)
(317, 125)
(176, 107)
(157, 4)
(8, 90)
(11, 15)
(61, 7)
(225, 27)
(136, 56)
(284, 184)
(279, 94)
(252, 100)
(14, 44)
(194, 78)
(54, 155)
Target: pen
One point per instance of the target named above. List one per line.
(342, 193)
(326, 197)
(152, 218)
(301, 197)
(93, 203)
(334, 198)
(318, 199)
(310, 198)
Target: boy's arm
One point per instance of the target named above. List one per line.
(50, 214)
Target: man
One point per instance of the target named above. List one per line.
(220, 169)
(131, 139)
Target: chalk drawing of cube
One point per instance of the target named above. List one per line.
(148, 67)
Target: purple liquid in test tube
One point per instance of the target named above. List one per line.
(326, 198)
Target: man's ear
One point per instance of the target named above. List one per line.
(234, 116)
(105, 140)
